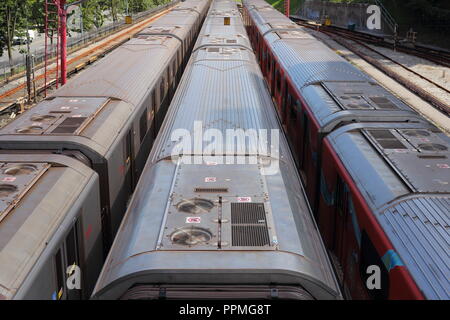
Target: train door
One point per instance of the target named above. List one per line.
(261, 50)
(152, 115)
(129, 161)
(179, 64)
(143, 126)
(67, 268)
(73, 259)
(162, 101)
(169, 80)
(357, 252)
(257, 47)
(272, 76)
(286, 103)
(294, 127)
(277, 91)
(325, 213)
(369, 257)
(264, 57)
(341, 213)
(304, 143)
(174, 75)
(311, 157)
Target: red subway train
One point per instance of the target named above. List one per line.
(376, 173)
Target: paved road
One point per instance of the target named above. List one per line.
(36, 45)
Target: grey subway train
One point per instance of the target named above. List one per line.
(213, 217)
(100, 125)
(49, 221)
(107, 116)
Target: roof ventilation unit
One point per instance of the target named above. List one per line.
(190, 236)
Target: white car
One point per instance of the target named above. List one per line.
(23, 39)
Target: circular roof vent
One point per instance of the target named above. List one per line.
(432, 147)
(42, 117)
(7, 189)
(30, 129)
(416, 133)
(190, 236)
(195, 206)
(20, 169)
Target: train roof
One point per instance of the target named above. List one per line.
(93, 107)
(266, 234)
(223, 104)
(403, 172)
(280, 244)
(183, 13)
(336, 91)
(38, 194)
(69, 122)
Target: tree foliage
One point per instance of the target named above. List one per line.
(14, 16)
(18, 15)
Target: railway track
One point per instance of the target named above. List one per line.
(357, 43)
(13, 99)
(436, 55)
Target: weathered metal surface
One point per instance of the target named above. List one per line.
(51, 192)
(172, 234)
(403, 172)
(309, 63)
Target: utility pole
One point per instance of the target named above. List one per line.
(62, 34)
(28, 65)
(287, 5)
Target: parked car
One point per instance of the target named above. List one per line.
(23, 39)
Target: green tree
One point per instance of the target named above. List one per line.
(13, 21)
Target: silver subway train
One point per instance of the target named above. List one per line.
(77, 156)
(219, 211)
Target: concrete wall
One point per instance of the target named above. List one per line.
(341, 14)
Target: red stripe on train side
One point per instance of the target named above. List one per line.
(402, 285)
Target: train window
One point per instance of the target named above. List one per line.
(143, 125)
(127, 152)
(166, 86)
(169, 73)
(73, 259)
(298, 106)
(59, 292)
(305, 143)
(294, 109)
(341, 196)
(153, 106)
(370, 257)
(162, 89)
(174, 67)
(278, 79)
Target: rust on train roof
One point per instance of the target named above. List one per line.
(37, 193)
